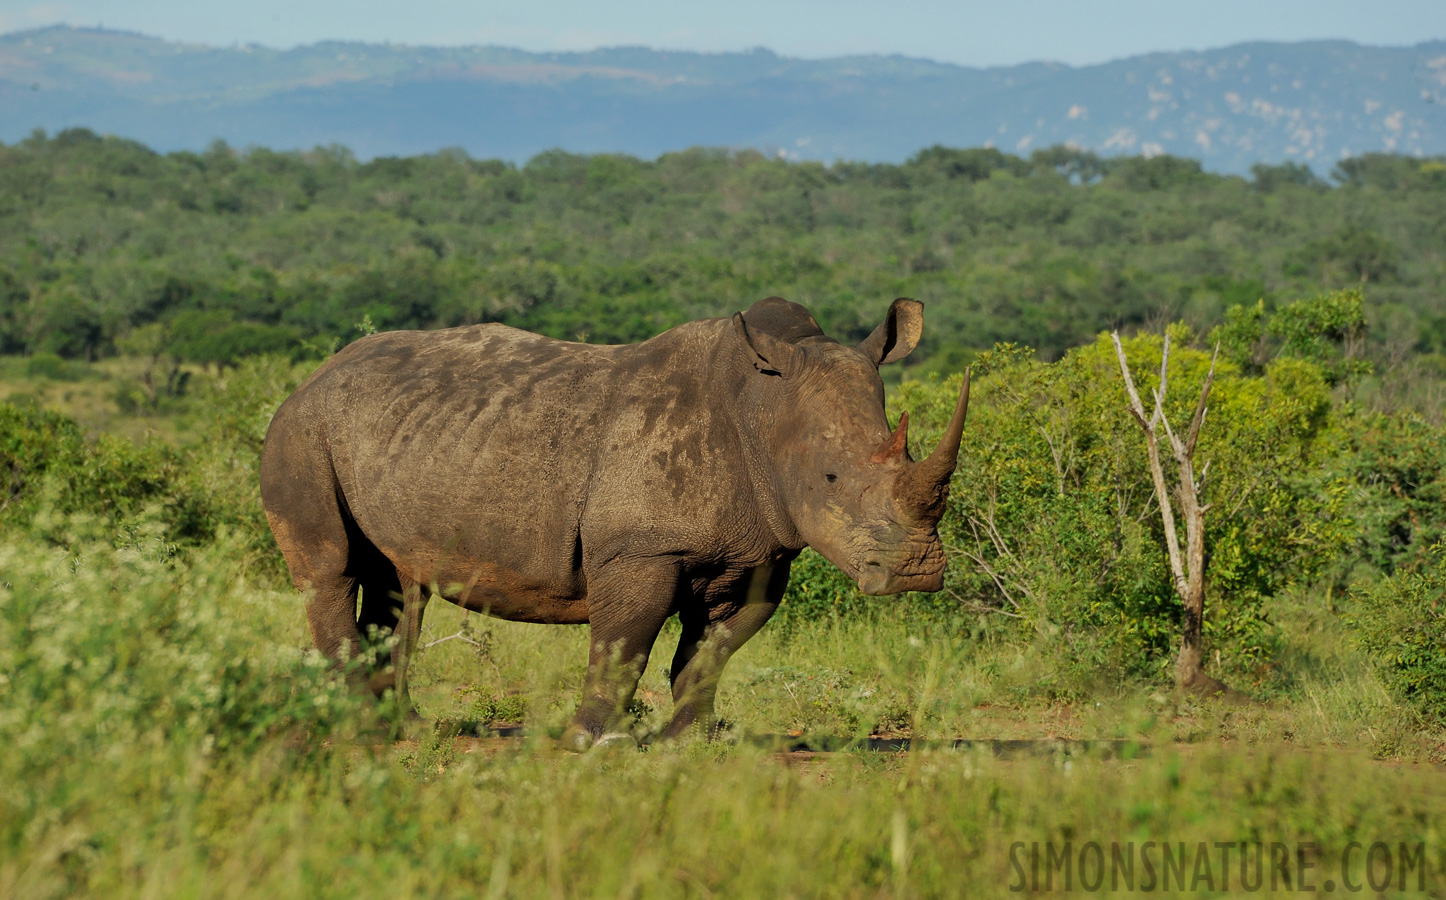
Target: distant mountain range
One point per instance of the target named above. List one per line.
(1311, 102)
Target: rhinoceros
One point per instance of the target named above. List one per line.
(540, 480)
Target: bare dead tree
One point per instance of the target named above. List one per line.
(1189, 570)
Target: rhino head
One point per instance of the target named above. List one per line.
(844, 478)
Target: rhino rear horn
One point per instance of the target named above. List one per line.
(896, 445)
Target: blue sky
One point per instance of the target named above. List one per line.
(968, 33)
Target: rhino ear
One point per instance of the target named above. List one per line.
(898, 335)
(770, 355)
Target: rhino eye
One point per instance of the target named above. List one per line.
(830, 477)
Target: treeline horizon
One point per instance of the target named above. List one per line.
(107, 246)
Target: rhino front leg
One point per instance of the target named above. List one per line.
(710, 637)
(628, 601)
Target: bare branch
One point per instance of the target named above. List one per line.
(994, 576)
(992, 528)
(1164, 379)
(1007, 577)
(1194, 432)
(1176, 447)
(1056, 454)
(1137, 409)
(459, 636)
(1157, 472)
(980, 607)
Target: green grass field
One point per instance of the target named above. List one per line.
(167, 733)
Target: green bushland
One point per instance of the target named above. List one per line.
(168, 730)
(1403, 628)
(1052, 527)
(187, 495)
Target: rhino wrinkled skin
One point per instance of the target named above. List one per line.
(545, 481)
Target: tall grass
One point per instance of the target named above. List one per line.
(167, 733)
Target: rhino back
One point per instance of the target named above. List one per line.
(500, 464)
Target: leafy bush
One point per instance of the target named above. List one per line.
(214, 337)
(1052, 524)
(818, 590)
(1396, 468)
(1328, 330)
(51, 471)
(54, 471)
(1402, 627)
(32, 441)
(105, 650)
(49, 365)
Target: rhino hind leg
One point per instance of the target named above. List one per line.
(314, 543)
(339, 629)
(377, 613)
(413, 598)
(330, 613)
(335, 565)
(358, 602)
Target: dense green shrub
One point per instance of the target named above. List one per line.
(48, 365)
(32, 441)
(1328, 330)
(818, 590)
(185, 497)
(1401, 625)
(1395, 465)
(1052, 520)
(53, 468)
(109, 648)
(215, 338)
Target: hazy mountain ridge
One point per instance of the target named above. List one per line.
(1312, 102)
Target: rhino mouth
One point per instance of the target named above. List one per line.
(912, 565)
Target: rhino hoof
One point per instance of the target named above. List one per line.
(615, 740)
(576, 740)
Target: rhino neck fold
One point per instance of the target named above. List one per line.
(752, 423)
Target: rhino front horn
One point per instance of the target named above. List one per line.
(925, 485)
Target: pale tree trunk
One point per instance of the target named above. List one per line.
(1188, 571)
